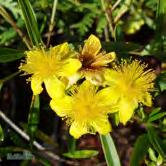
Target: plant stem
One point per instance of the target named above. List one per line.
(9, 19)
(109, 19)
(35, 143)
(124, 8)
(52, 21)
(9, 77)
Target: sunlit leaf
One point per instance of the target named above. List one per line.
(109, 149)
(30, 21)
(80, 154)
(1, 134)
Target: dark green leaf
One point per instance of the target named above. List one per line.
(140, 149)
(161, 81)
(155, 140)
(30, 21)
(156, 116)
(1, 134)
(9, 55)
(33, 118)
(80, 154)
(109, 149)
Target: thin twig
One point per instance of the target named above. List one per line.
(109, 18)
(123, 10)
(35, 143)
(52, 21)
(116, 4)
(9, 19)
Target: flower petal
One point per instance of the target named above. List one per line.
(36, 85)
(63, 106)
(77, 129)
(126, 110)
(147, 99)
(55, 88)
(92, 46)
(70, 67)
(103, 126)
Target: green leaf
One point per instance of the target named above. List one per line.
(155, 140)
(157, 116)
(161, 81)
(140, 149)
(1, 134)
(30, 22)
(9, 54)
(109, 149)
(80, 154)
(33, 118)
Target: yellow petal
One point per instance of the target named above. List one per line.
(36, 85)
(62, 106)
(111, 76)
(104, 59)
(106, 98)
(147, 99)
(92, 46)
(77, 129)
(126, 110)
(70, 67)
(102, 126)
(55, 88)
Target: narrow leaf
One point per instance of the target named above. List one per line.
(9, 54)
(140, 149)
(33, 118)
(1, 134)
(30, 21)
(155, 140)
(109, 149)
(80, 154)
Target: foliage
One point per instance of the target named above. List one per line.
(133, 29)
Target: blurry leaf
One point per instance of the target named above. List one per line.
(17, 139)
(109, 149)
(42, 136)
(6, 150)
(161, 81)
(156, 116)
(80, 154)
(9, 54)
(155, 140)
(7, 36)
(1, 134)
(155, 111)
(152, 155)
(30, 21)
(12, 6)
(122, 49)
(140, 149)
(33, 118)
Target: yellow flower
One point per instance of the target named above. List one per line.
(85, 109)
(130, 84)
(93, 61)
(48, 66)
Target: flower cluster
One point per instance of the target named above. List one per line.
(86, 107)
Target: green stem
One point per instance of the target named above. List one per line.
(9, 77)
(109, 18)
(52, 21)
